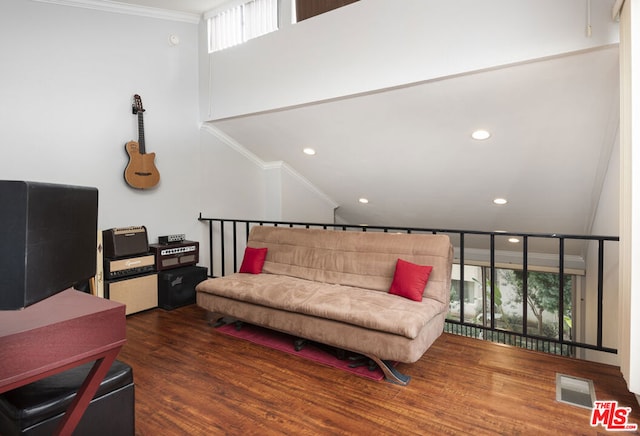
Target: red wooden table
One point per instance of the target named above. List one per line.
(58, 333)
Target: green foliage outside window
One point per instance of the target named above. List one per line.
(543, 291)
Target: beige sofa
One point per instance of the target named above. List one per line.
(332, 287)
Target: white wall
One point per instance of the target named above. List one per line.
(254, 189)
(629, 339)
(233, 187)
(67, 80)
(301, 201)
(376, 44)
(606, 222)
(238, 185)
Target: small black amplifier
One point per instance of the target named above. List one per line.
(125, 241)
(170, 239)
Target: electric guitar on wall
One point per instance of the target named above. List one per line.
(141, 171)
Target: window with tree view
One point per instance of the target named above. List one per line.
(541, 300)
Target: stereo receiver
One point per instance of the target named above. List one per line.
(175, 255)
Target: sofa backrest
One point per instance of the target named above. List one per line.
(351, 258)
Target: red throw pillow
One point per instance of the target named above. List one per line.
(409, 280)
(253, 260)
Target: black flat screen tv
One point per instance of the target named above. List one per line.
(47, 240)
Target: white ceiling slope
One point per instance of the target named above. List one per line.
(408, 150)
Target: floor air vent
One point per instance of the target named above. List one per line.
(574, 390)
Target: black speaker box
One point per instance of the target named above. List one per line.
(177, 287)
(48, 237)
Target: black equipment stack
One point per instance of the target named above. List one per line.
(178, 275)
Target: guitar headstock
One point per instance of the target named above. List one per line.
(137, 104)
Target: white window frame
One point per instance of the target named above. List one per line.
(240, 21)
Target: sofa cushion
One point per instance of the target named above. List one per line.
(357, 306)
(356, 259)
(409, 280)
(253, 260)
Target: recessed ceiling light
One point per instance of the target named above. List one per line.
(514, 240)
(500, 201)
(309, 151)
(363, 200)
(481, 135)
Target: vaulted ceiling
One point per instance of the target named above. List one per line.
(408, 150)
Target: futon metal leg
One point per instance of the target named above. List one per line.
(359, 360)
(391, 374)
(219, 323)
(299, 343)
(214, 319)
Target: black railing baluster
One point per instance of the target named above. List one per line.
(600, 290)
(561, 291)
(235, 247)
(210, 248)
(492, 288)
(525, 284)
(461, 266)
(223, 273)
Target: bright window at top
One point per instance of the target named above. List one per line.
(241, 22)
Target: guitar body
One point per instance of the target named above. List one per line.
(141, 171)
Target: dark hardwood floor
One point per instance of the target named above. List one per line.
(192, 380)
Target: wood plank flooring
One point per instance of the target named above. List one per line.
(192, 380)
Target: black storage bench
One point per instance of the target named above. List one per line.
(37, 408)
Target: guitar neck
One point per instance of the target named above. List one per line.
(141, 133)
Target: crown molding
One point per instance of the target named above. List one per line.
(232, 143)
(310, 186)
(279, 165)
(125, 8)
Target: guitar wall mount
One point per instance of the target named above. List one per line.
(174, 40)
